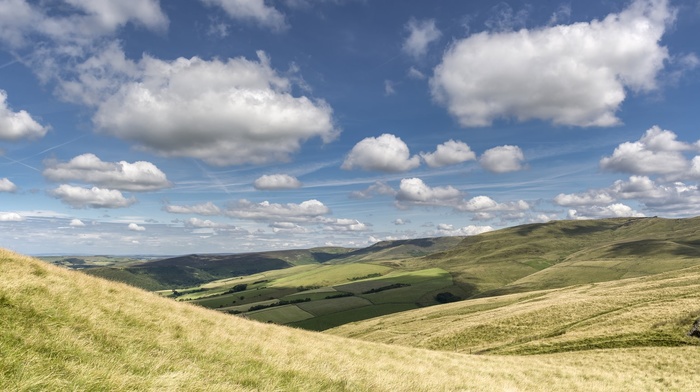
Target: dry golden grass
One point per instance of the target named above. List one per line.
(64, 331)
(642, 312)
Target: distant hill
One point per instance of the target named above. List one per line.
(190, 270)
(560, 253)
(62, 330)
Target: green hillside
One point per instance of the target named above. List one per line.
(652, 311)
(65, 331)
(560, 253)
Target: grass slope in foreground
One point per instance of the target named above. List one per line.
(66, 331)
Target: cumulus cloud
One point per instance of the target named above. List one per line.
(303, 212)
(10, 217)
(138, 176)
(450, 230)
(503, 159)
(276, 182)
(597, 212)
(449, 153)
(386, 153)
(233, 112)
(671, 199)
(76, 223)
(378, 188)
(345, 225)
(204, 223)
(482, 204)
(135, 227)
(18, 125)
(592, 197)
(207, 208)
(573, 74)
(414, 190)
(251, 10)
(421, 33)
(400, 222)
(7, 185)
(657, 152)
(94, 197)
(21, 21)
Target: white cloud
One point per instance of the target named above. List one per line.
(414, 73)
(21, 21)
(592, 197)
(94, 197)
(135, 227)
(400, 222)
(204, 223)
(207, 208)
(389, 88)
(225, 113)
(657, 152)
(88, 168)
(378, 188)
(449, 153)
(76, 223)
(10, 217)
(598, 212)
(253, 10)
(18, 125)
(503, 159)
(568, 74)
(449, 230)
(421, 33)
(414, 190)
(386, 153)
(345, 225)
(276, 181)
(487, 204)
(288, 228)
(7, 185)
(303, 212)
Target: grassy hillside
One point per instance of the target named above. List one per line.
(560, 253)
(653, 311)
(66, 331)
(190, 270)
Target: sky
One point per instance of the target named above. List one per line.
(226, 126)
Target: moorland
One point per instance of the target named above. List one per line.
(576, 305)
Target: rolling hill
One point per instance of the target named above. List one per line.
(190, 270)
(62, 330)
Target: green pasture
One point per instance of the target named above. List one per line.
(321, 323)
(333, 306)
(280, 314)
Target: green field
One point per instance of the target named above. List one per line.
(280, 315)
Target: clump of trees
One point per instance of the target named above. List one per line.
(446, 297)
(237, 288)
(388, 287)
(279, 303)
(339, 295)
(374, 275)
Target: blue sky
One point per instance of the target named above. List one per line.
(147, 127)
